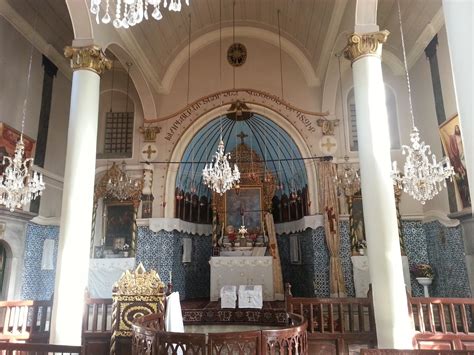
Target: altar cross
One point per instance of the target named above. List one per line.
(242, 136)
(149, 151)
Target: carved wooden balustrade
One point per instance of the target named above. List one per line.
(335, 323)
(38, 349)
(25, 321)
(149, 340)
(97, 325)
(443, 323)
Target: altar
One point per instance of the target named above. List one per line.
(242, 270)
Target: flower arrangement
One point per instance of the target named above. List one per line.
(253, 238)
(422, 270)
(361, 244)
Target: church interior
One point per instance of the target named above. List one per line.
(236, 176)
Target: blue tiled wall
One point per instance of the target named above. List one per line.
(38, 284)
(429, 243)
(445, 249)
(162, 251)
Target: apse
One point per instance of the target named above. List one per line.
(276, 150)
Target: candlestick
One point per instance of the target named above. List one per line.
(170, 277)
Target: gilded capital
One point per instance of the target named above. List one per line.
(88, 58)
(360, 45)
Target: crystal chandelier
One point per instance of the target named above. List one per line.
(421, 178)
(218, 174)
(128, 13)
(120, 186)
(17, 186)
(347, 179)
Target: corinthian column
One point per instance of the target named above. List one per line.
(76, 212)
(380, 216)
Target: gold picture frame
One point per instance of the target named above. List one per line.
(451, 138)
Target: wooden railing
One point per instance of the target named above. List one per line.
(97, 325)
(288, 340)
(413, 352)
(335, 323)
(38, 349)
(443, 323)
(25, 320)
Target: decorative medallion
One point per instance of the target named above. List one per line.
(328, 145)
(237, 54)
(149, 151)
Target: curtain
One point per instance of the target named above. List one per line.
(328, 205)
(272, 243)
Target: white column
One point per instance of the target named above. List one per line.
(76, 212)
(394, 329)
(459, 17)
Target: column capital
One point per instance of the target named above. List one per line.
(361, 45)
(87, 58)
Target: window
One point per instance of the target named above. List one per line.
(118, 134)
(392, 120)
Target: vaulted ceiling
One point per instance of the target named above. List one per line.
(313, 26)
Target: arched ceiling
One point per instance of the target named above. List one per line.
(311, 25)
(281, 155)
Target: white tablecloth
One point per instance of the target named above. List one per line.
(103, 273)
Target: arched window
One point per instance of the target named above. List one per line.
(391, 103)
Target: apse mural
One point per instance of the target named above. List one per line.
(274, 147)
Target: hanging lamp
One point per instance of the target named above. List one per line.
(422, 179)
(218, 175)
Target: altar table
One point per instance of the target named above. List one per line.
(103, 273)
(242, 270)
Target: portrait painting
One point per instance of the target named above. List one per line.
(357, 228)
(119, 225)
(244, 207)
(451, 138)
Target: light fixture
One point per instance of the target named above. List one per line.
(128, 13)
(120, 186)
(218, 175)
(18, 187)
(347, 178)
(421, 178)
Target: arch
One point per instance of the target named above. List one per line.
(6, 264)
(142, 87)
(199, 123)
(81, 20)
(243, 31)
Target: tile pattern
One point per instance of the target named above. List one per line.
(445, 249)
(162, 251)
(321, 263)
(346, 260)
(38, 284)
(416, 250)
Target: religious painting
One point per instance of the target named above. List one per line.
(450, 133)
(8, 139)
(119, 225)
(357, 228)
(244, 208)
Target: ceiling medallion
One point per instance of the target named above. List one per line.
(237, 54)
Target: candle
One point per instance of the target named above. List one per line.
(170, 277)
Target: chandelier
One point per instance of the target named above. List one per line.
(347, 179)
(218, 175)
(128, 13)
(120, 186)
(17, 186)
(421, 178)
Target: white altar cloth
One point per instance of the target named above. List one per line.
(228, 296)
(242, 270)
(103, 273)
(250, 296)
(360, 268)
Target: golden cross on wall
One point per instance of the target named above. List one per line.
(328, 145)
(149, 151)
